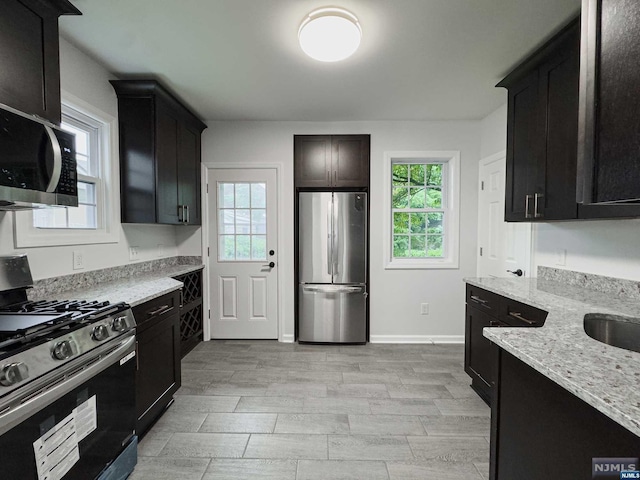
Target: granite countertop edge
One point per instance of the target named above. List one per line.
(134, 290)
(605, 377)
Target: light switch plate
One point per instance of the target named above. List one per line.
(424, 309)
(134, 253)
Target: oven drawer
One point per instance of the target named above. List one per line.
(156, 310)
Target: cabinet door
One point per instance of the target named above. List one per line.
(312, 160)
(189, 172)
(477, 359)
(523, 148)
(158, 375)
(167, 199)
(30, 73)
(350, 160)
(556, 180)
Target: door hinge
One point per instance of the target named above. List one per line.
(481, 185)
(480, 251)
(207, 188)
(209, 313)
(208, 251)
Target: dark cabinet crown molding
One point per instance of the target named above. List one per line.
(147, 87)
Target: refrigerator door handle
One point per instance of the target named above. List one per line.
(329, 238)
(333, 289)
(336, 239)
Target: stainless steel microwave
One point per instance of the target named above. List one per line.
(37, 162)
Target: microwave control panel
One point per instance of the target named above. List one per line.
(68, 184)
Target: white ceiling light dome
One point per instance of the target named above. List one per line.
(330, 34)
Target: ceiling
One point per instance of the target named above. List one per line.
(240, 60)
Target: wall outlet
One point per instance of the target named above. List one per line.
(561, 257)
(134, 253)
(78, 259)
(424, 309)
(160, 250)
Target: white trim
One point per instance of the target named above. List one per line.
(452, 234)
(26, 235)
(287, 338)
(428, 339)
(279, 168)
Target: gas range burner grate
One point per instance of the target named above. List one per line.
(45, 306)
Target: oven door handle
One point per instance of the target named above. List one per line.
(39, 397)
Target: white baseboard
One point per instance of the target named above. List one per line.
(429, 339)
(288, 338)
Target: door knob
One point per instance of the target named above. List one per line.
(270, 264)
(517, 273)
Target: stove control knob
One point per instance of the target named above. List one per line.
(63, 350)
(99, 333)
(13, 373)
(119, 324)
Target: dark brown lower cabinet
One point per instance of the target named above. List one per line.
(478, 351)
(539, 430)
(158, 353)
(488, 309)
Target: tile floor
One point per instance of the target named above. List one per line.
(267, 410)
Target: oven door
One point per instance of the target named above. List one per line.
(74, 429)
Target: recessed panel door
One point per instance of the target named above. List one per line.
(243, 253)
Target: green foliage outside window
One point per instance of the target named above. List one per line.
(416, 198)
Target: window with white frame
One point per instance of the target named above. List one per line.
(95, 219)
(422, 225)
(90, 183)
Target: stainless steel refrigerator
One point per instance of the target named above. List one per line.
(332, 267)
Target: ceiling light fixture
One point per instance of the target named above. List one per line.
(330, 34)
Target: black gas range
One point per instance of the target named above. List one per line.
(67, 382)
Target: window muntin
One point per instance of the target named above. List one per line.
(242, 221)
(418, 206)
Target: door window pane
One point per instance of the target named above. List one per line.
(242, 221)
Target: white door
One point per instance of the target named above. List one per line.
(503, 247)
(243, 260)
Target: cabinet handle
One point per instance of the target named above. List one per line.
(478, 299)
(520, 317)
(329, 177)
(180, 213)
(494, 323)
(335, 177)
(535, 205)
(181, 298)
(137, 357)
(186, 207)
(158, 311)
(527, 198)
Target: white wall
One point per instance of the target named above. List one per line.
(395, 295)
(608, 247)
(493, 132)
(86, 79)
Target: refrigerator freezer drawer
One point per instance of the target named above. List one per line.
(332, 313)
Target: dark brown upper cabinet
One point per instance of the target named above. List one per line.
(609, 144)
(331, 161)
(159, 155)
(542, 131)
(29, 49)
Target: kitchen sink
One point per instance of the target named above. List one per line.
(622, 332)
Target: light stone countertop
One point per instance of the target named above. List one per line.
(134, 290)
(605, 377)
